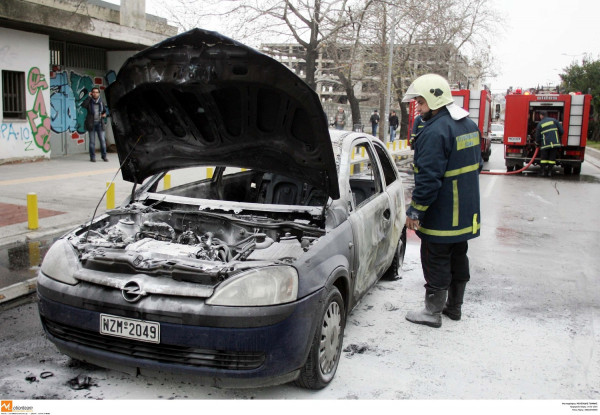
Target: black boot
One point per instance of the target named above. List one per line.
(545, 170)
(431, 315)
(456, 293)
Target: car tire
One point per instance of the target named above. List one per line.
(320, 366)
(567, 170)
(392, 273)
(577, 170)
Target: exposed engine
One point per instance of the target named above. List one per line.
(189, 245)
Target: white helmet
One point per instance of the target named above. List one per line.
(436, 91)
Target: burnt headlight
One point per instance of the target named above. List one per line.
(258, 287)
(61, 262)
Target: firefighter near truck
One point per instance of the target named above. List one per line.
(479, 106)
(523, 113)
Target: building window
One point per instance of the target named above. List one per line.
(72, 55)
(13, 94)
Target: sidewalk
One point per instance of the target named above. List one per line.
(67, 188)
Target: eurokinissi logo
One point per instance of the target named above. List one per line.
(6, 406)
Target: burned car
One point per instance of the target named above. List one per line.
(244, 276)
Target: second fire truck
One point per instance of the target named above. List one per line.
(522, 116)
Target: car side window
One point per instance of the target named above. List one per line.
(389, 171)
(364, 174)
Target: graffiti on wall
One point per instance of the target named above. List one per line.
(39, 121)
(67, 93)
(63, 113)
(10, 131)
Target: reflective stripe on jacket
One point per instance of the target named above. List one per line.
(548, 133)
(447, 162)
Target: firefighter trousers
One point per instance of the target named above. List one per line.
(444, 264)
(548, 156)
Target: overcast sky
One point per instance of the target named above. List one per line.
(541, 38)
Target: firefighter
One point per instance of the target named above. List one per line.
(444, 210)
(547, 137)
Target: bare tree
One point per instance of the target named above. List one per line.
(310, 23)
(347, 51)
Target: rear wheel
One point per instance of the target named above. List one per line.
(392, 273)
(568, 170)
(324, 355)
(577, 170)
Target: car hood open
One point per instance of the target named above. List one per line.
(200, 98)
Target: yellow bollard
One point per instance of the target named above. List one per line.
(352, 155)
(167, 181)
(110, 195)
(209, 172)
(32, 211)
(388, 145)
(362, 152)
(35, 259)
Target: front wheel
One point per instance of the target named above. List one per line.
(326, 348)
(392, 273)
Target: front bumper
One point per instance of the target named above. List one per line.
(215, 353)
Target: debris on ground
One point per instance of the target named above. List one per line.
(81, 382)
(390, 307)
(356, 348)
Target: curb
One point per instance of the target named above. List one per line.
(594, 158)
(18, 290)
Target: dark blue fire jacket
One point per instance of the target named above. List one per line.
(548, 133)
(447, 162)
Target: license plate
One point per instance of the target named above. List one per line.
(514, 139)
(129, 328)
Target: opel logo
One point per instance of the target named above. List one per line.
(132, 292)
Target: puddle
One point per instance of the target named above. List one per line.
(20, 261)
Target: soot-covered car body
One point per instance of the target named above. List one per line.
(245, 277)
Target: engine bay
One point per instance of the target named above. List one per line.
(190, 245)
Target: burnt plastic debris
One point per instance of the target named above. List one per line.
(81, 382)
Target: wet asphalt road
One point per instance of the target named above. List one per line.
(530, 326)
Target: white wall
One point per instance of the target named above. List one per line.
(29, 138)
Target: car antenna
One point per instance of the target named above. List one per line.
(106, 190)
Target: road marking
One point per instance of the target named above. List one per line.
(55, 177)
(490, 186)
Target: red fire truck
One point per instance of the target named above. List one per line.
(479, 105)
(522, 116)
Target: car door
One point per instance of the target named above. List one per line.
(370, 216)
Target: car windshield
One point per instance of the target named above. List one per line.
(240, 185)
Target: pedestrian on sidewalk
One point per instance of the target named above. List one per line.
(374, 122)
(444, 210)
(393, 120)
(340, 119)
(94, 123)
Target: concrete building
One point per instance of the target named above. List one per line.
(52, 53)
(442, 59)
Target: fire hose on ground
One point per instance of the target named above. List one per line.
(499, 173)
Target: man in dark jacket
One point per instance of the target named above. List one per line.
(94, 122)
(374, 122)
(445, 210)
(393, 120)
(547, 137)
